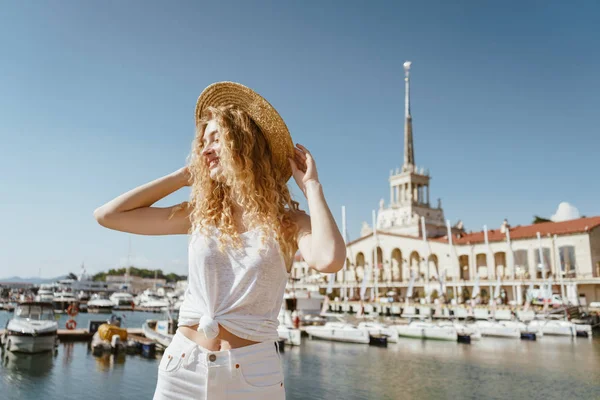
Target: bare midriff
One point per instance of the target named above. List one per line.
(225, 340)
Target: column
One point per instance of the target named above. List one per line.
(392, 190)
(472, 265)
(532, 265)
(427, 194)
(398, 194)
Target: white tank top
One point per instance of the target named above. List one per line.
(239, 289)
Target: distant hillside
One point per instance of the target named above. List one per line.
(34, 281)
(141, 272)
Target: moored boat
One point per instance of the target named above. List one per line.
(498, 329)
(122, 301)
(556, 328)
(291, 336)
(100, 304)
(32, 329)
(376, 328)
(427, 330)
(339, 331)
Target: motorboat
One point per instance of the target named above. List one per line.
(32, 329)
(100, 304)
(122, 300)
(286, 330)
(83, 298)
(427, 330)
(464, 330)
(151, 301)
(525, 328)
(291, 335)
(375, 328)
(45, 295)
(505, 329)
(553, 327)
(62, 301)
(339, 331)
(161, 331)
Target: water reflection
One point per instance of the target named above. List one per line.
(20, 365)
(107, 361)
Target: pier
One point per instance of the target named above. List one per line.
(83, 335)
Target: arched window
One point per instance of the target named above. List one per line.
(546, 262)
(521, 264)
(567, 261)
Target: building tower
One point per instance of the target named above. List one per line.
(409, 188)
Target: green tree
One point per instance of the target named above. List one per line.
(538, 220)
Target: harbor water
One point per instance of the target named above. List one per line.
(549, 368)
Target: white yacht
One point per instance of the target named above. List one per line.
(375, 328)
(162, 331)
(463, 329)
(62, 301)
(427, 330)
(505, 329)
(152, 301)
(32, 329)
(286, 330)
(99, 304)
(558, 328)
(339, 331)
(292, 336)
(45, 294)
(122, 300)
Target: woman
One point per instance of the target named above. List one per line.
(244, 231)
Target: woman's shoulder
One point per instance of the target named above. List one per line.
(299, 216)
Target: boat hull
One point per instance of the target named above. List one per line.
(31, 344)
(356, 336)
(161, 338)
(555, 328)
(292, 337)
(99, 310)
(424, 332)
(498, 330)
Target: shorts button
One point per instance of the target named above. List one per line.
(212, 358)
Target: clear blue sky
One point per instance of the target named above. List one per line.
(98, 97)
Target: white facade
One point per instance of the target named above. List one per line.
(570, 250)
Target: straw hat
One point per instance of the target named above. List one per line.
(264, 115)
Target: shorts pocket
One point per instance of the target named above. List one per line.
(263, 373)
(170, 362)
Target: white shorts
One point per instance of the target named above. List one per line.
(189, 371)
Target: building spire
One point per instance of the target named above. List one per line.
(409, 154)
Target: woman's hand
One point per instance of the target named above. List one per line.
(304, 169)
(184, 176)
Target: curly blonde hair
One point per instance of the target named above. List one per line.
(250, 178)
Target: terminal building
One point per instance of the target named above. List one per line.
(412, 241)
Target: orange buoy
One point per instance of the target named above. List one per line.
(71, 324)
(73, 310)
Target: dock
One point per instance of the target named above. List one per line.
(83, 335)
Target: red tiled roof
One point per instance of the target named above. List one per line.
(580, 225)
(573, 226)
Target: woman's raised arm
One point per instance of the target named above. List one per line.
(132, 212)
(319, 239)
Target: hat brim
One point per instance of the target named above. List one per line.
(260, 110)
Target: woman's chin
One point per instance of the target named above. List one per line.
(216, 174)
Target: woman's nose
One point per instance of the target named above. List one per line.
(207, 150)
